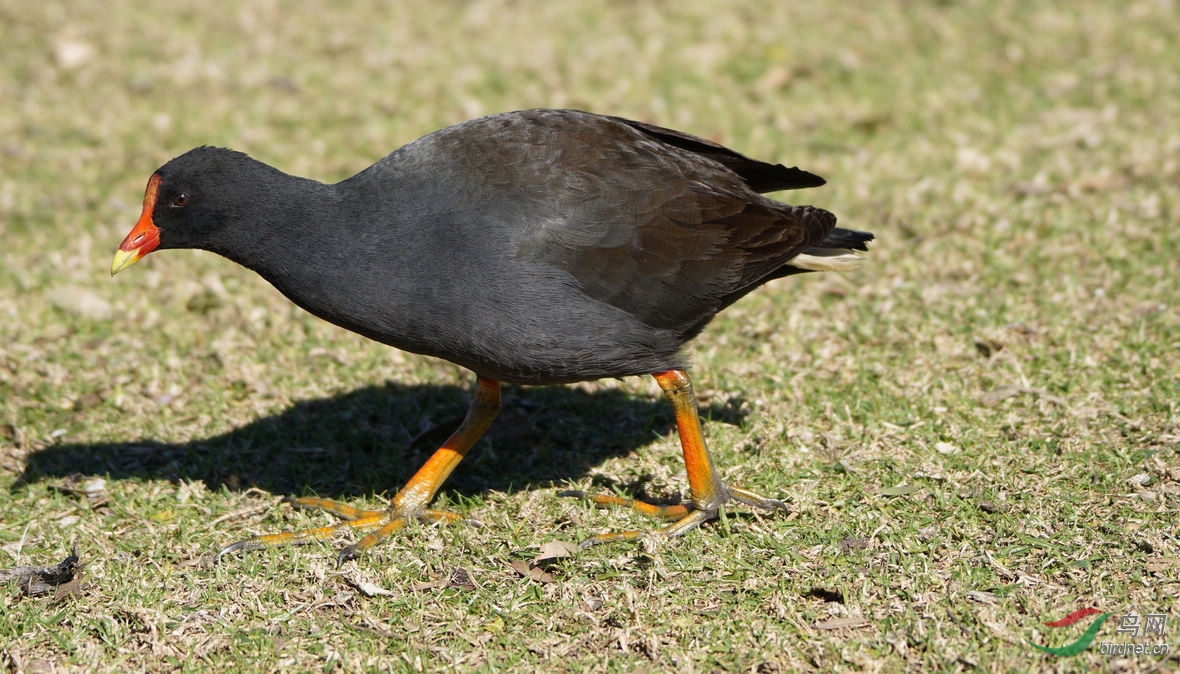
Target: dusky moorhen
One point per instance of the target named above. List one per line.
(531, 247)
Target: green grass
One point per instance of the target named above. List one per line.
(960, 427)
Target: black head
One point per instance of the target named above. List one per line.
(194, 201)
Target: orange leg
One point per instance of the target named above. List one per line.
(709, 492)
(409, 503)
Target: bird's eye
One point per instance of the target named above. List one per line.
(180, 200)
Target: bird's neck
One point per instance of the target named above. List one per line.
(285, 228)
(332, 251)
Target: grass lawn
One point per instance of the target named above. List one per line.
(978, 432)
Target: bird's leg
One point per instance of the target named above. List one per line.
(409, 503)
(709, 491)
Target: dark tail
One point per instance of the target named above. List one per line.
(837, 252)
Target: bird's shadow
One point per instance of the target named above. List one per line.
(371, 440)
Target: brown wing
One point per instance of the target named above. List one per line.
(668, 232)
(687, 261)
(664, 226)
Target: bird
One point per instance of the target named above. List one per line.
(533, 247)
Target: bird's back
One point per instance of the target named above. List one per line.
(548, 246)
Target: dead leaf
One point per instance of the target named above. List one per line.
(532, 572)
(365, 586)
(461, 578)
(70, 51)
(40, 580)
(855, 543)
(71, 589)
(94, 489)
(990, 507)
(987, 346)
(982, 597)
(1002, 393)
(842, 623)
(340, 599)
(554, 550)
(81, 302)
(88, 400)
(1161, 565)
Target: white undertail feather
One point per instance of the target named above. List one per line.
(828, 259)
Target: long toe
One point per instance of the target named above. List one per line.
(668, 512)
(381, 524)
(756, 500)
(687, 517)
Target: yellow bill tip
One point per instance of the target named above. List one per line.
(124, 259)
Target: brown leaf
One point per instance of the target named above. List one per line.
(81, 302)
(94, 489)
(88, 400)
(842, 623)
(461, 579)
(990, 507)
(1161, 565)
(71, 589)
(554, 550)
(855, 543)
(1002, 393)
(39, 580)
(365, 586)
(532, 572)
(986, 347)
(981, 597)
(341, 599)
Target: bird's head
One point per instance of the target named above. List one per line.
(187, 202)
